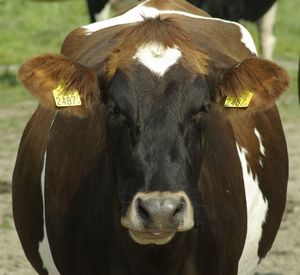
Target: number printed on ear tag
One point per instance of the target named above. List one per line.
(66, 99)
(242, 102)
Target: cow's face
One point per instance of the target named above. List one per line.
(157, 130)
(156, 125)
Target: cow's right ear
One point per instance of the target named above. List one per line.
(256, 82)
(76, 86)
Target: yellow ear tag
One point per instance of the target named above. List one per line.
(66, 99)
(242, 102)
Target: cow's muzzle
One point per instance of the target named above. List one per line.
(156, 217)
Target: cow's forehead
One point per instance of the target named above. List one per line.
(157, 57)
(148, 94)
(145, 10)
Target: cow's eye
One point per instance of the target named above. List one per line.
(117, 116)
(199, 113)
(206, 107)
(115, 112)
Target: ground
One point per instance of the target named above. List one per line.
(282, 260)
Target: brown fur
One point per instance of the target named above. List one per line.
(115, 49)
(266, 80)
(42, 74)
(80, 176)
(162, 30)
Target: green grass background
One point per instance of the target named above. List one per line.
(33, 27)
(29, 28)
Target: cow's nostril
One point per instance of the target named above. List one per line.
(142, 212)
(180, 208)
(161, 211)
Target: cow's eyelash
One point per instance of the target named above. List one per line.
(115, 111)
(194, 115)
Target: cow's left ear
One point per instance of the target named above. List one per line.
(60, 83)
(252, 84)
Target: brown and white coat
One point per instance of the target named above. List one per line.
(151, 174)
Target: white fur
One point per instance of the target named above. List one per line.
(44, 247)
(132, 16)
(257, 208)
(247, 39)
(140, 12)
(156, 57)
(262, 149)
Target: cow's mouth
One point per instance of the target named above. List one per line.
(152, 237)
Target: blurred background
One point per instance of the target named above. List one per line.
(33, 27)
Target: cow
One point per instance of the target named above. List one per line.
(156, 148)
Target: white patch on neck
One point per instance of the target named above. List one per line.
(140, 12)
(156, 57)
(44, 246)
(257, 208)
(262, 149)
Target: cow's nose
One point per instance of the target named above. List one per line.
(159, 212)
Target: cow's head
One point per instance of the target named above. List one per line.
(159, 97)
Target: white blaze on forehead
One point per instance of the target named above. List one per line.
(140, 12)
(156, 57)
(257, 209)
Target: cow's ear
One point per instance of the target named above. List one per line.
(75, 86)
(253, 84)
